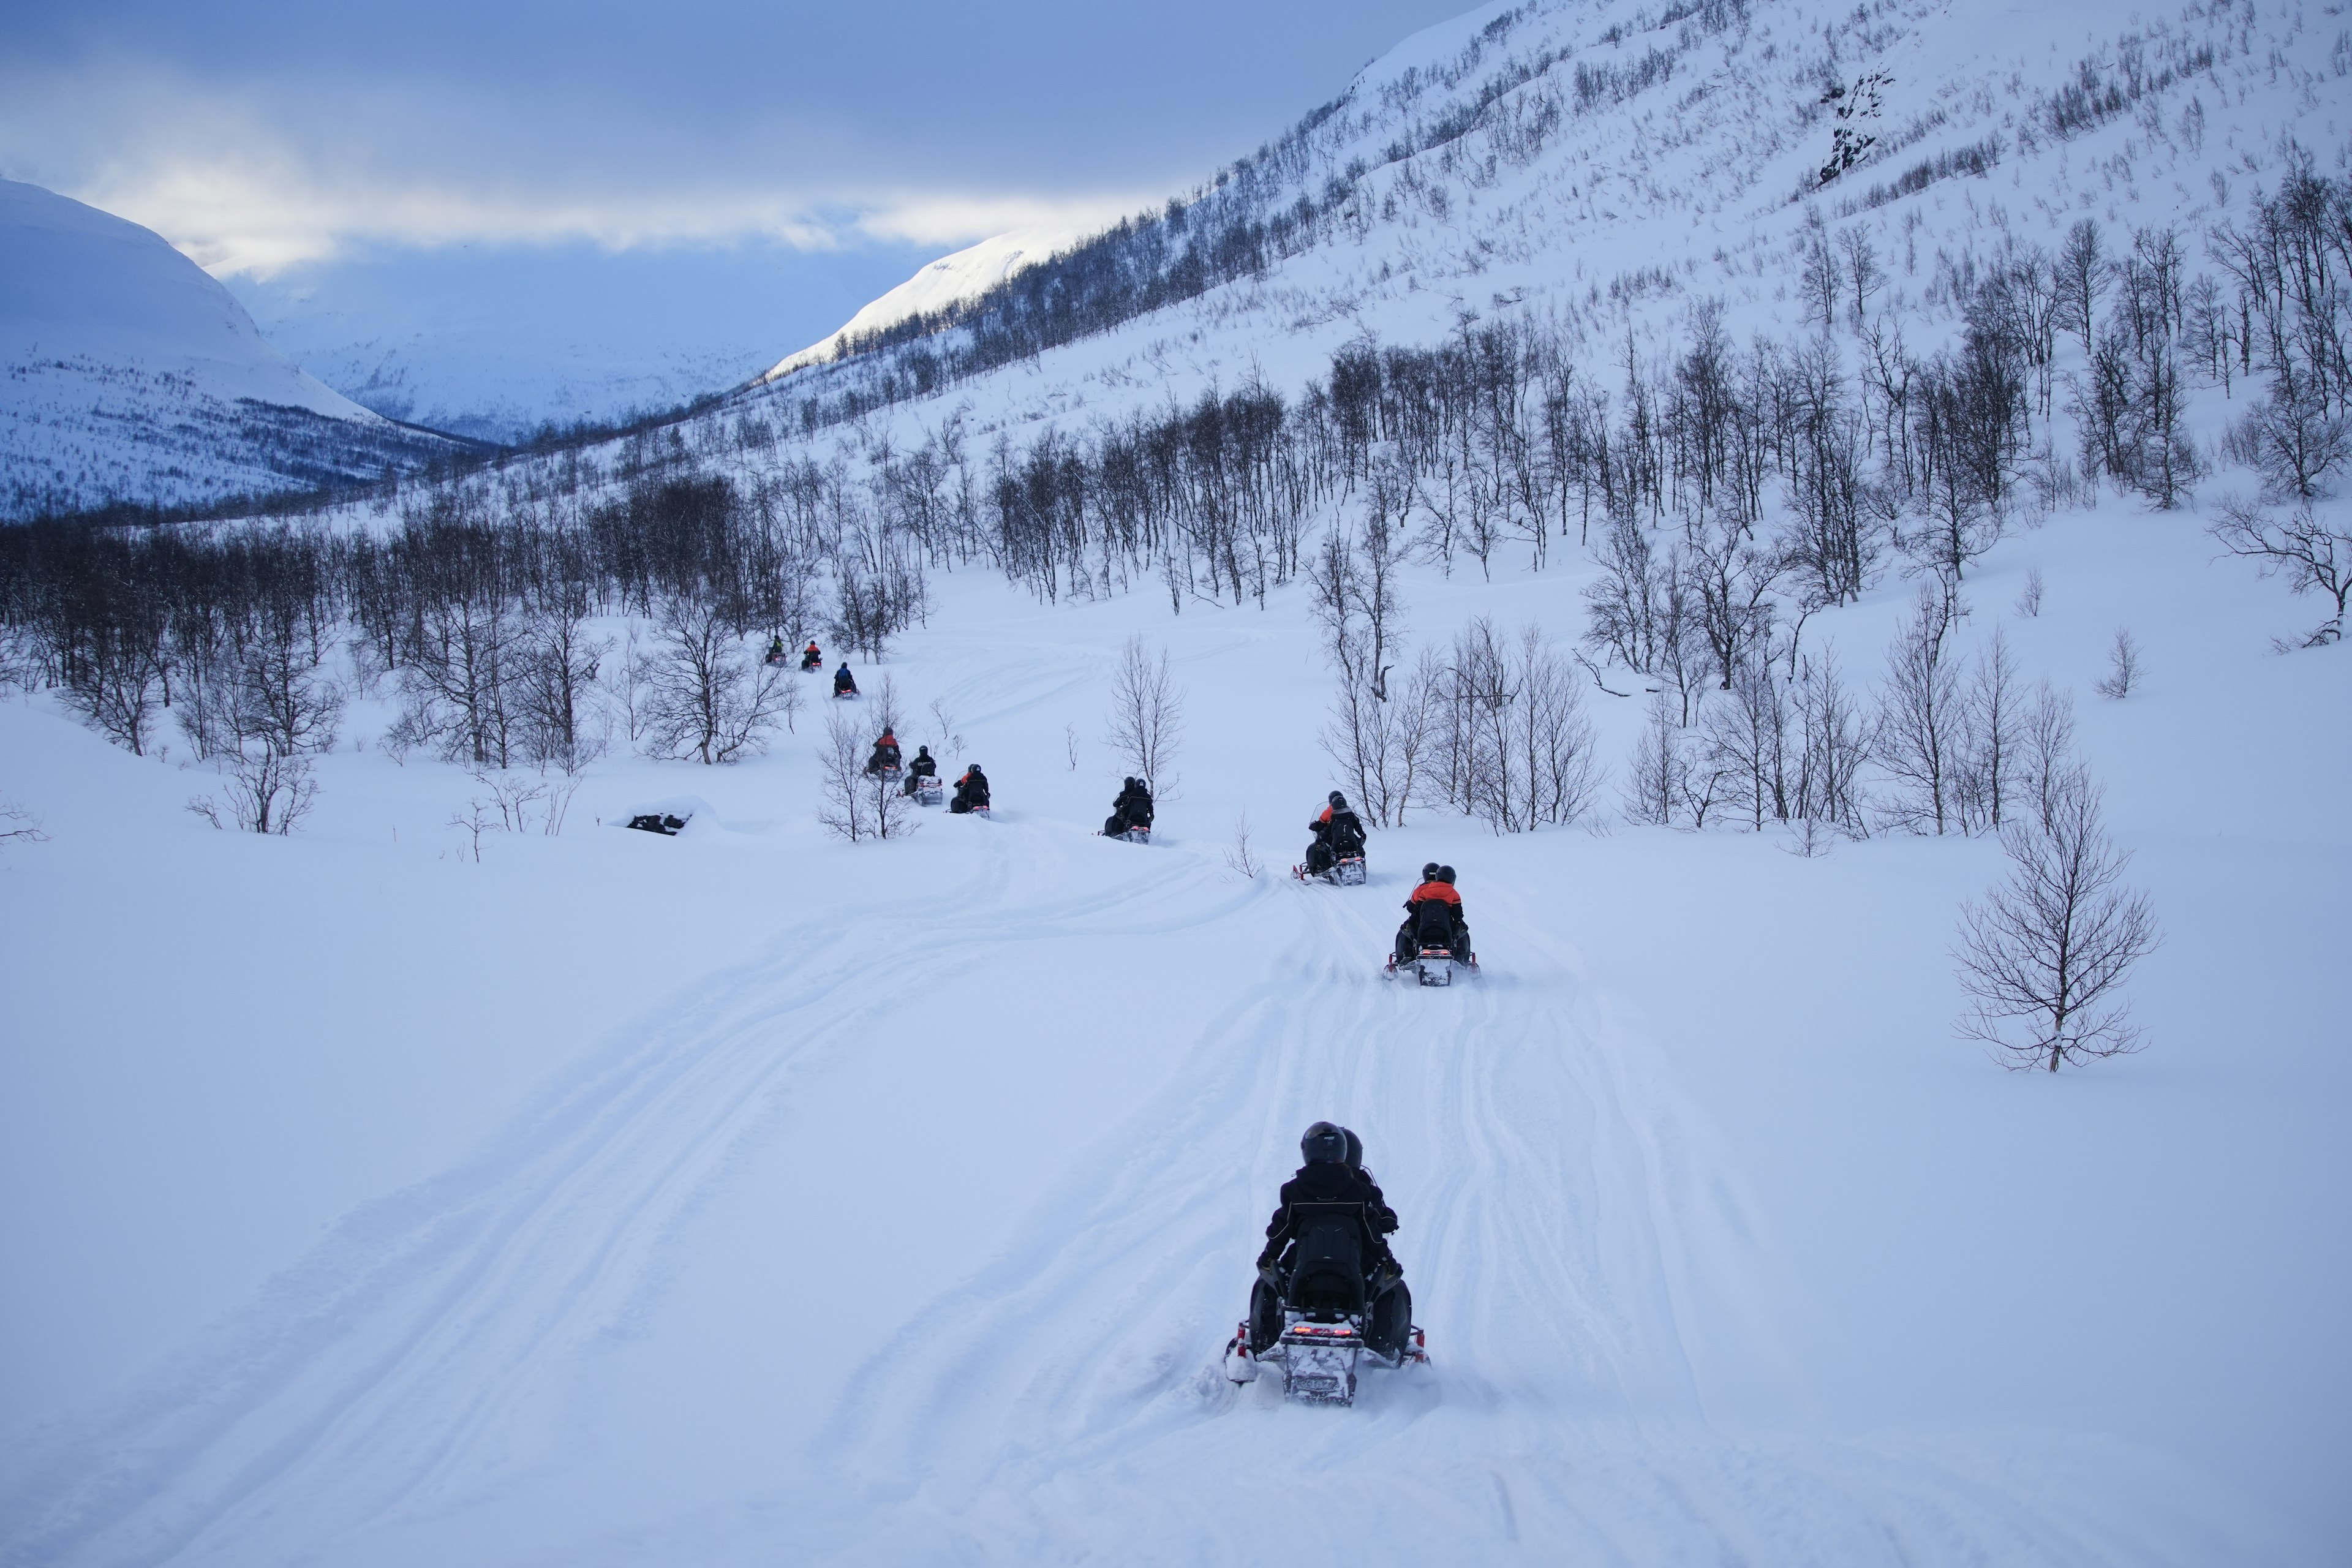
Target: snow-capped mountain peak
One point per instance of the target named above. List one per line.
(950, 280)
(127, 374)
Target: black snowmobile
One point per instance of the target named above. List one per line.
(970, 796)
(923, 783)
(811, 660)
(1337, 855)
(1130, 814)
(775, 658)
(1332, 1300)
(844, 683)
(1431, 943)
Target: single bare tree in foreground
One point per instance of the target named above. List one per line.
(2046, 953)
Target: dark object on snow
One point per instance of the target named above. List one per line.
(1433, 918)
(776, 651)
(811, 658)
(1434, 938)
(922, 767)
(656, 822)
(885, 759)
(971, 792)
(844, 683)
(1131, 810)
(1338, 836)
(1328, 1288)
(1326, 1143)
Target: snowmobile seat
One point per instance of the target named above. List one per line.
(1326, 1269)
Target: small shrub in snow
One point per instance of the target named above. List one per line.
(2123, 673)
(18, 826)
(262, 791)
(1238, 854)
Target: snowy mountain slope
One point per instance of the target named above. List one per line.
(1591, 166)
(940, 285)
(748, 1195)
(127, 374)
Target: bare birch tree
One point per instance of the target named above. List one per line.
(1147, 716)
(2046, 953)
(857, 804)
(703, 695)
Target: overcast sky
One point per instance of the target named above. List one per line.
(274, 131)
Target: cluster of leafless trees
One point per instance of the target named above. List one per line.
(1492, 727)
(1945, 743)
(2292, 325)
(483, 622)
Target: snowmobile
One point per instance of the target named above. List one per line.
(811, 661)
(963, 805)
(1129, 836)
(1432, 963)
(775, 660)
(929, 789)
(1330, 1316)
(1347, 871)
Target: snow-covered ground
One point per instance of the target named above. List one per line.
(745, 1195)
(748, 1195)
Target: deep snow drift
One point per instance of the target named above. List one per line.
(127, 374)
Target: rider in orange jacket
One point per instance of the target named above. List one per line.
(1434, 913)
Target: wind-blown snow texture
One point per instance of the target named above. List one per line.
(127, 374)
(747, 1197)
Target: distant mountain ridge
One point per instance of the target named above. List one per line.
(127, 374)
(941, 285)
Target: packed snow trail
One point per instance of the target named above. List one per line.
(1575, 1244)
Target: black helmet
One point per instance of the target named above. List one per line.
(1338, 801)
(1355, 1149)
(922, 751)
(1428, 872)
(1326, 1143)
(1445, 875)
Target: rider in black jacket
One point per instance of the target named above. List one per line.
(1333, 1174)
(1339, 833)
(1131, 809)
